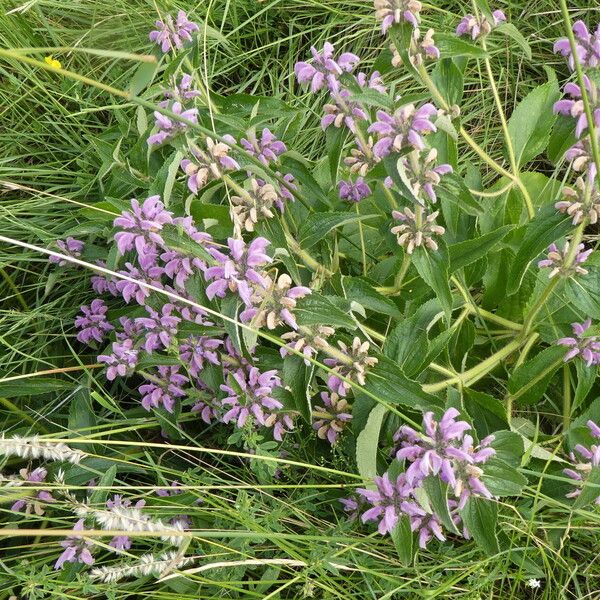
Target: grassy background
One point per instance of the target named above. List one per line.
(54, 136)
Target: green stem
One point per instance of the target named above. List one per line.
(14, 288)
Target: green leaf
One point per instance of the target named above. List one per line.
(487, 413)
(404, 540)
(454, 190)
(33, 386)
(591, 489)
(465, 253)
(433, 269)
(586, 377)
(562, 138)
(511, 31)
(362, 291)
(449, 80)
(335, 138)
(315, 309)
(99, 496)
(450, 45)
(172, 170)
(142, 78)
(318, 225)
(301, 173)
(531, 122)
(395, 169)
(480, 517)
(176, 239)
(502, 479)
(437, 492)
(297, 376)
(546, 227)
(528, 382)
(367, 444)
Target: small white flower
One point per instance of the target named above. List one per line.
(534, 584)
(32, 447)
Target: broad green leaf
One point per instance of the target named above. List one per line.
(531, 122)
(142, 78)
(465, 253)
(176, 239)
(502, 479)
(318, 225)
(297, 376)
(511, 31)
(586, 377)
(335, 138)
(99, 496)
(480, 516)
(546, 227)
(395, 169)
(450, 45)
(362, 291)
(404, 541)
(367, 444)
(433, 269)
(562, 138)
(437, 493)
(591, 489)
(310, 188)
(449, 80)
(528, 382)
(487, 413)
(33, 386)
(315, 309)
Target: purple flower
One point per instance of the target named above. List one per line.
(237, 271)
(583, 201)
(142, 226)
(93, 322)
(121, 542)
(195, 351)
(325, 68)
(273, 304)
(479, 26)
(355, 367)
(250, 394)
(33, 504)
(411, 234)
(122, 361)
(405, 127)
(209, 408)
(332, 417)
(254, 205)
(181, 91)
(76, 549)
(307, 340)
(101, 284)
(390, 12)
(132, 290)
(354, 191)
(168, 128)
(372, 81)
(575, 107)
(343, 111)
(423, 175)
(208, 164)
(160, 328)
(362, 158)
(171, 35)
(267, 149)
(586, 347)
(587, 46)
(591, 459)
(581, 156)
(556, 260)
(70, 247)
(164, 390)
(445, 451)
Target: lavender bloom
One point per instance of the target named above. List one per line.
(170, 35)
(591, 459)
(195, 351)
(142, 226)
(252, 396)
(273, 305)
(396, 11)
(420, 50)
(405, 127)
(208, 164)
(583, 201)
(208, 408)
(169, 128)
(122, 361)
(587, 46)
(478, 27)
(254, 205)
(324, 68)
(557, 261)
(160, 329)
(362, 158)
(575, 107)
(423, 176)
(70, 247)
(166, 392)
(76, 549)
(445, 450)
(181, 91)
(351, 507)
(267, 149)
(354, 192)
(237, 272)
(180, 267)
(102, 284)
(132, 290)
(412, 234)
(93, 322)
(33, 504)
(355, 368)
(332, 418)
(372, 81)
(172, 491)
(343, 111)
(307, 340)
(587, 348)
(580, 154)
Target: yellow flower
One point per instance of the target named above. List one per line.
(50, 60)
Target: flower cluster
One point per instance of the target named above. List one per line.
(171, 34)
(417, 229)
(391, 12)
(586, 347)
(332, 417)
(558, 263)
(479, 26)
(33, 504)
(587, 46)
(352, 365)
(591, 459)
(69, 247)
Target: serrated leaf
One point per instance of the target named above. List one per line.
(315, 309)
(467, 252)
(547, 226)
(531, 122)
(449, 80)
(502, 479)
(480, 517)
